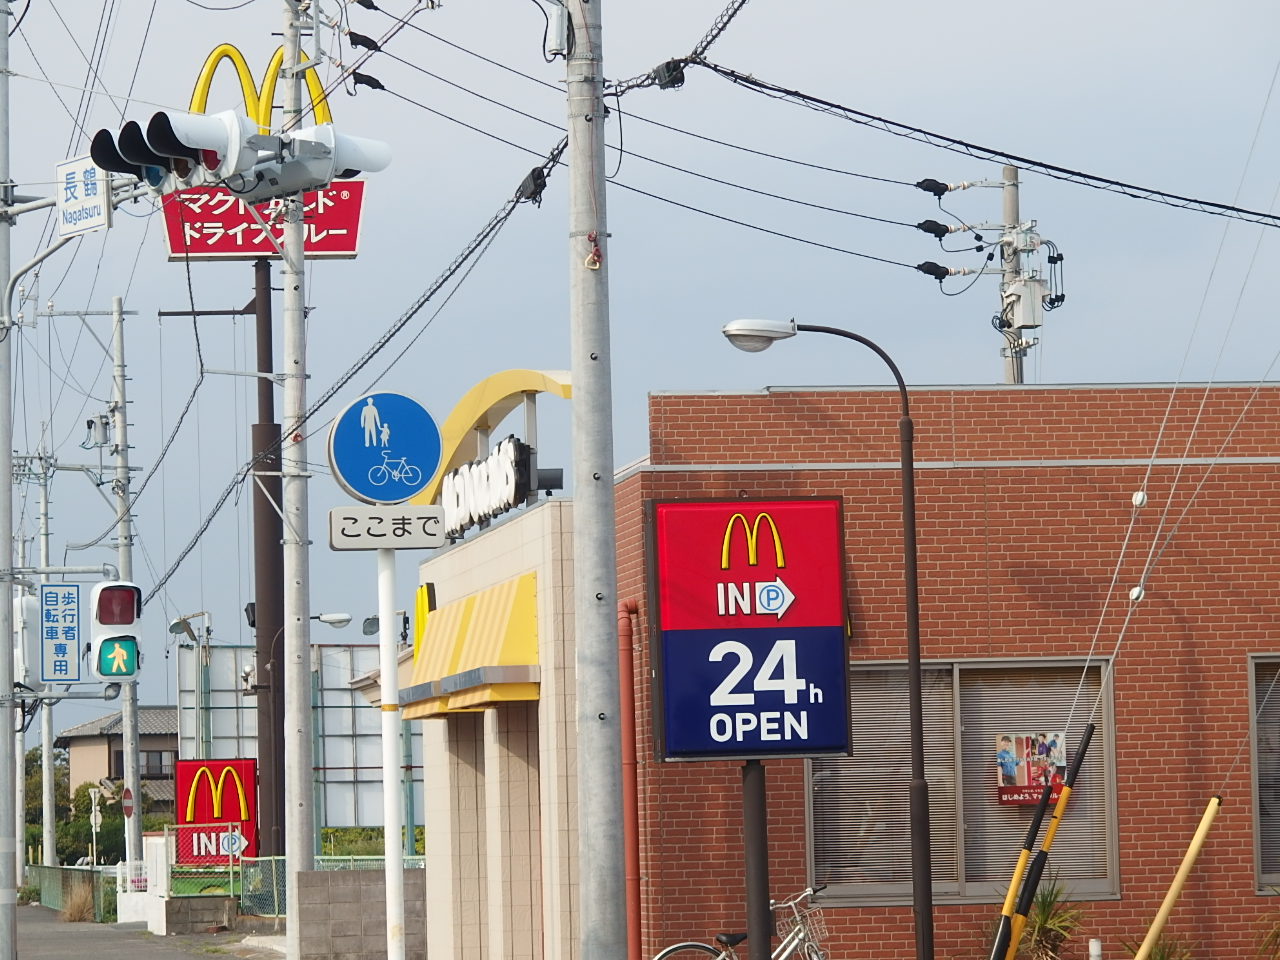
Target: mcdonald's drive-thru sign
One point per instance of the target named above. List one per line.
(750, 645)
(216, 810)
(212, 223)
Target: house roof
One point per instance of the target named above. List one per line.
(152, 721)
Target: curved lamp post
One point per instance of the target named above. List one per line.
(754, 336)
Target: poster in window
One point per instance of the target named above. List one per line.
(1025, 762)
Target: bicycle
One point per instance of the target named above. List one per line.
(398, 469)
(807, 930)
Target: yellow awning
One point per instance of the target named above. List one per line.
(477, 651)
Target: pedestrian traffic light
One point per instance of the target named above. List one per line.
(180, 150)
(115, 607)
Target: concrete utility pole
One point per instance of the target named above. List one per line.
(601, 874)
(47, 797)
(1011, 256)
(8, 886)
(299, 820)
(124, 559)
(268, 583)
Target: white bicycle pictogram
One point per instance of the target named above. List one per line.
(394, 469)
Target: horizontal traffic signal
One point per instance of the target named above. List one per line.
(179, 150)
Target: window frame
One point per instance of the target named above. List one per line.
(1264, 883)
(961, 890)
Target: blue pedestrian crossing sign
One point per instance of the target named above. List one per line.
(384, 448)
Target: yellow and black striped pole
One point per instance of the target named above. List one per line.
(1011, 925)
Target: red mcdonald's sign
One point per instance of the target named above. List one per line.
(216, 792)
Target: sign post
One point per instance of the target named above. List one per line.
(371, 467)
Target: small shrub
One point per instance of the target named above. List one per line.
(78, 905)
(1166, 948)
(29, 894)
(1051, 923)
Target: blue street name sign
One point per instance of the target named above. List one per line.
(384, 448)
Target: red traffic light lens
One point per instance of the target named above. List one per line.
(117, 605)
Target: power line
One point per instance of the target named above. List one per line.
(476, 244)
(657, 123)
(979, 152)
(622, 151)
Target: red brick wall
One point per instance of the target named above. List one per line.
(1015, 560)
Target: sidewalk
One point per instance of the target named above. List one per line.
(43, 936)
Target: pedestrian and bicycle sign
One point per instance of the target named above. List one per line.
(750, 648)
(384, 448)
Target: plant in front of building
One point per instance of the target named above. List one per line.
(1166, 948)
(1051, 923)
(1269, 941)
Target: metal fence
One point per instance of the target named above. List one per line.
(262, 879)
(71, 890)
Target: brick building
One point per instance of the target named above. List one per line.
(1029, 546)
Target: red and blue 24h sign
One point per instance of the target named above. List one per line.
(751, 655)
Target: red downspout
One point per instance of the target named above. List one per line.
(630, 790)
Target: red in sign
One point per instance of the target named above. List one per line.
(212, 223)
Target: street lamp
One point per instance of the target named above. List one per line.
(754, 336)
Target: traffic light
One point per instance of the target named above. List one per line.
(115, 607)
(179, 150)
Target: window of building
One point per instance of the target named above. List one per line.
(860, 832)
(156, 764)
(1266, 770)
(153, 764)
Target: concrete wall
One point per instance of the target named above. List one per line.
(344, 914)
(501, 843)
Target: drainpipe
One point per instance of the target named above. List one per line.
(630, 791)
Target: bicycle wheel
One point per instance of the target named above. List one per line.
(813, 952)
(378, 475)
(689, 950)
(411, 475)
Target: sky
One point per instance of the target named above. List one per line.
(1179, 102)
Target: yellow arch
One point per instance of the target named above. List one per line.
(484, 406)
(257, 100)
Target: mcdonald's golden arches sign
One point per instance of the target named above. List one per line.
(211, 223)
(750, 645)
(212, 797)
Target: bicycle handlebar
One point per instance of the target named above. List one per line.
(792, 901)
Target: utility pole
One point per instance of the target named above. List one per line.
(1011, 256)
(602, 919)
(8, 885)
(299, 833)
(21, 674)
(124, 560)
(268, 582)
(47, 803)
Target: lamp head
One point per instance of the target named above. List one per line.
(756, 335)
(334, 619)
(178, 626)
